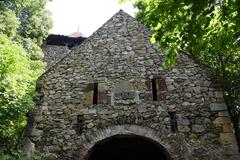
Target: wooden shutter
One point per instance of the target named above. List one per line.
(161, 89)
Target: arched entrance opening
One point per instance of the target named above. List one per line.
(127, 147)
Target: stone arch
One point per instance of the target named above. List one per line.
(167, 142)
(127, 147)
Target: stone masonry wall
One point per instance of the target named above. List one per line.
(189, 118)
(53, 53)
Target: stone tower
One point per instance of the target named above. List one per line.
(110, 99)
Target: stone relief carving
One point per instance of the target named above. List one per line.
(124, 93)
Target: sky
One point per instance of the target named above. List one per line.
(84, 15)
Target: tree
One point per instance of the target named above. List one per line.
(208, 31)
(15, 82)
(27, 22)
(24, 24)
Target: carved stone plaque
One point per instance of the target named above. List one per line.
(124, 93)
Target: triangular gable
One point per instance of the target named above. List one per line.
(118, 15)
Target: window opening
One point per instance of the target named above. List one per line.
(154, 89)
(95, 93)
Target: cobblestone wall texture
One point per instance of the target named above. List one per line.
(120, 58)
(54, 53)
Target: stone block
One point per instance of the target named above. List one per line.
(36, 132)
(183, 129)
(227, 128)
(51, 156)
(142, 109)
(181, 120)
(123, 86)
(234, 157)
(197, 90)
(210, 94)
(38, 118)
(55, 148)
(114, 115)
(223, 114)
(44, 108)
(171, 87)
(206, 83)
(92, 111)
(202, 120)
(28, 147)
(171, 107)
(88, 99)
(188, 95)
(210, 137)
(227, 138)
(66, 111)
(186, 104)
(90, 125)
(82, 111)
(219, 94)
(222, 120)
(231, 149)
(218, 107)
(198, 128)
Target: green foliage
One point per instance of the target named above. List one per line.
(207, 30)
(17, 81)
(19, 155)
(8, 23)
(197, 27)
(12, 77)
(24, 24)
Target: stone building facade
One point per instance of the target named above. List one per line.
(55, 47)
(112, 87)
(54, 53)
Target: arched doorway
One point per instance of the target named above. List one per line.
(127, 147)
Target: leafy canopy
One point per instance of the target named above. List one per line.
(200, 28)
(24, 24)
(16, 81)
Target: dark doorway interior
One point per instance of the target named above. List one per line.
(127, 148)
